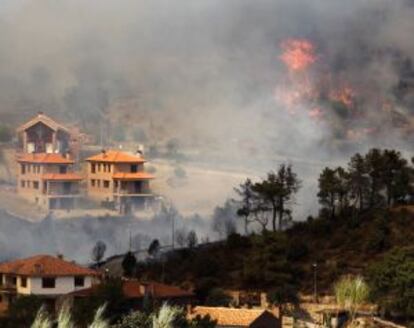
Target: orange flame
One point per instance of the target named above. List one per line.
(298, 54)
(345, 95)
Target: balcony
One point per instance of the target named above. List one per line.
(8, 288)
(137, 192)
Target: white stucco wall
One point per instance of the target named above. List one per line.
(63, 285)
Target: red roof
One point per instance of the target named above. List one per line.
(133, 176)
(113, 156)
(44, 265)
(62, 176)
(43, 158)
(136, 289)
(231, 317)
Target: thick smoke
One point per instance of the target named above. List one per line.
(205, 72)
(208, 67)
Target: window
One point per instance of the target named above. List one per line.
(93, 182)
(48, 282)
(106, 184)
(62, 169)
(109, 167)
(23, 282)
(28, 168)
(134, 168)
(14, 281)
(93, 168)
(36, 184)
(99, 167)
(79, 281)
(23, 184)
(38, 169)
(23, 167)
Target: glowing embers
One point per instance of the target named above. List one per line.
(298, 54)
(345, 95)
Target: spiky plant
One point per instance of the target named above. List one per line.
(351, 293)
(98, 320)
(42, 319)
(65, 318)
(165, 316)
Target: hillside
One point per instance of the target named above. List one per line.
(262, 262)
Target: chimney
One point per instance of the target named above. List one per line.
(103, 151)
(59, 256)
(39, 113)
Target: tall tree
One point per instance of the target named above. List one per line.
(277, 191)
(327, 190)
(128, 264)
(358, 179)
(98, 251)
(395, 175)
(246, 202)
(374, 162)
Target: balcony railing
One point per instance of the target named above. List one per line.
(142, 191)
(62, 193)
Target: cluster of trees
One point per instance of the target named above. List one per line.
(380, 178)
(268, 200)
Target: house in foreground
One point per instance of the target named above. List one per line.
(118, 179)
(45, 276)
(237, 318)
(48, 180)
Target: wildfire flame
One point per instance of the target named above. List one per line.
(298, 54)
(345, 95)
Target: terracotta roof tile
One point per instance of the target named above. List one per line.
(113, 156)
(133, 176)
(44, 265)
(62, 176)
(136, 289)
(229, 316)
(43, 158)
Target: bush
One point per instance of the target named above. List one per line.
(392, 282)
(297, 250)
(217, 297)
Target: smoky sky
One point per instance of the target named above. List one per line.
(211, 65)
(206, 71)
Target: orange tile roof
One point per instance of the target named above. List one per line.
(44, 265)
(43, 158)
(156, 289)
(133, 289)
(229, 316)
(114, 156)
(133, 176)
(62, 176)
(46, 120)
